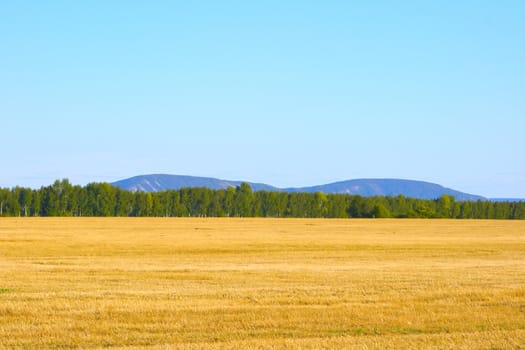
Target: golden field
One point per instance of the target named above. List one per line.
(188, 283)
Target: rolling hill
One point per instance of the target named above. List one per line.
(389, 187)
(162, 182)
(362, 187)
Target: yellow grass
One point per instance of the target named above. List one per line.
(120, 283)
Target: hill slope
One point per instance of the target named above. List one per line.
(388, 187)
(162, 182)
(362, 187)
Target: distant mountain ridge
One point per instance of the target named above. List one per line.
(389, 187)
(162, 182)
(508, 199)
(362, 187)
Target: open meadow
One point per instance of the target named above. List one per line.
(219, 283)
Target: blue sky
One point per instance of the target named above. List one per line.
(290, 93)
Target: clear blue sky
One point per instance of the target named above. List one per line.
(283, 92)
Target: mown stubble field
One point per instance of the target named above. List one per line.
(134, 283)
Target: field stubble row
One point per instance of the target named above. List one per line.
(261, 283)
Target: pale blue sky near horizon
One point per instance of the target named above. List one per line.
(289, 93)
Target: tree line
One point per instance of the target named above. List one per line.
(101, 199)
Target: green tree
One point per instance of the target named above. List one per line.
(4, 197)
(465, 210)
(380, 211)
(13, 203)
(444, 205)
(25, 196)
(124, 205)
(338, 206)
(244, 200)
(35, 208)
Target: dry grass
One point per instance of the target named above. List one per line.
(115, 283)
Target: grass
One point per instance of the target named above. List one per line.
(121, 283)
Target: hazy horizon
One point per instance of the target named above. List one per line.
(285, 93)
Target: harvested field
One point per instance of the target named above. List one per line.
(155, 283)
